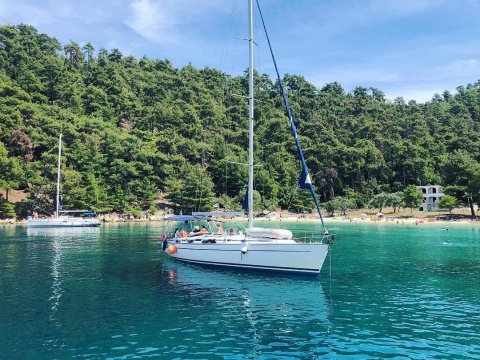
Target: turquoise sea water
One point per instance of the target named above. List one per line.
(388, 291)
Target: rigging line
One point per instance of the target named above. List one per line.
(42, 184)
(200, 196)
(223, 57)
(195, 198)
(243, 164)
(229, 32)
(201, 190)
(292, 123)
(201, 193)
(199, 207)
(226, 178)
(258, 56)
(235, 27)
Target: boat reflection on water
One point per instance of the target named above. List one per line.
(86, 233)
(270, 307)
(262, 284)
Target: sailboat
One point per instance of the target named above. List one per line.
(63, 218)
(255, 248)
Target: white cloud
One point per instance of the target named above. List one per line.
(86, 11)
(454, 73)
(15, 12)
(415, 65)
(153, 21)
(338, 17)
(419, 95)
(410, 81)
(64, 17)
(466, 67)
(167, 21)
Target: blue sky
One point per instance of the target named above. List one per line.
(408, 48)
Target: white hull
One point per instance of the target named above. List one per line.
(63, 222)
(292, 257)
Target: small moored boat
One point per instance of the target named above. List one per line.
(64, 218)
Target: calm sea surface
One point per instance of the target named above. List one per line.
(387, 291)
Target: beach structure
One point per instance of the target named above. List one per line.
(432, 194)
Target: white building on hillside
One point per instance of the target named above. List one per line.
(432, 194)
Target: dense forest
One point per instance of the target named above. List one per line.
(139, 130)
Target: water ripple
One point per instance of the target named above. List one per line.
(110, 294)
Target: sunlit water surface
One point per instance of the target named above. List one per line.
(386, 291)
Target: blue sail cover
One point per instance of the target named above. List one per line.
(305, 181)
(245, 201)
(188, 218)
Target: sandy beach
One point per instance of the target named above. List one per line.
(402, 217)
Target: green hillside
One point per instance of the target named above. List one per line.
(135, 129)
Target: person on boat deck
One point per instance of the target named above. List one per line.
(183, 233)
(203, 230)
(233, 231)
(185, 226)
(219, 228)
(176, 234)
(196, 231)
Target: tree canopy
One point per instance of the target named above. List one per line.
(138, 128)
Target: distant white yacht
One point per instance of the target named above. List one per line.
(64, 218)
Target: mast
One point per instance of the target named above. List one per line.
(57, 209)
(250, 104)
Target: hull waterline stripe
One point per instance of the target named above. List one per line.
(250, 266)
(249, 250)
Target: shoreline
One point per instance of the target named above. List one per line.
(282, 217)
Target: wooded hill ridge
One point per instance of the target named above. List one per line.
(136, 128)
